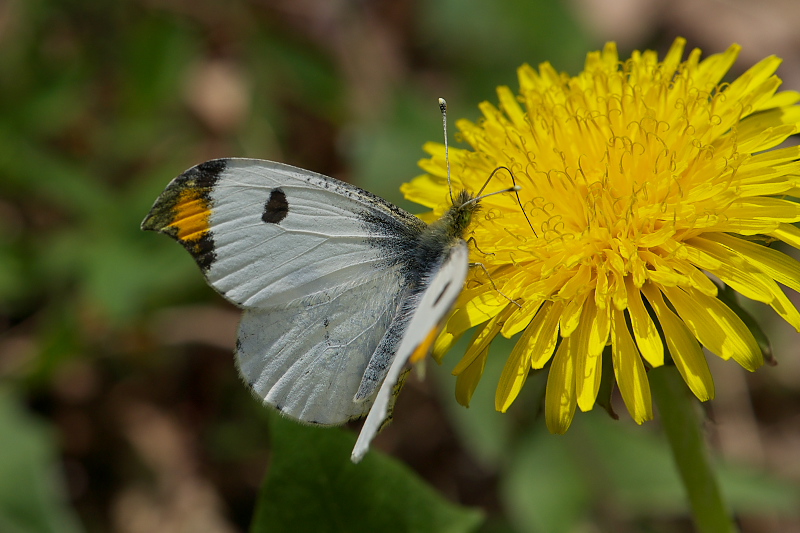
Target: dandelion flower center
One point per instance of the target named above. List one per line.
(639, 178)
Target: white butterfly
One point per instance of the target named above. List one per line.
(339, 287)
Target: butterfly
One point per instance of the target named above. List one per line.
(339, 288)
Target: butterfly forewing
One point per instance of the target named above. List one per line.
(266, 234)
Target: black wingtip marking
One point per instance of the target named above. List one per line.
(196, 184)
(206, 174)
(203, 251)
(276, 207)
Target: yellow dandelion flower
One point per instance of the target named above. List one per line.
(639, 178)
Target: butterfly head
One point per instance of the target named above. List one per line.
(464, 204)
(459, 216)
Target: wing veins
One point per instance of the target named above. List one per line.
(239, 226)
(333, 273)
(320, 358)
(360, 281)
(319, 182)
(288, 378)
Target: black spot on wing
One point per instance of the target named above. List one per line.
(276, 208)
(326, 324)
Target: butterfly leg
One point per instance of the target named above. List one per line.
(475, 244)
(483, 267)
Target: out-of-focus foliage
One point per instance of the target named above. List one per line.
(378, 494)
(32, 499)
(110, 337)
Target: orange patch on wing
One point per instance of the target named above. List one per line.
(425, 346)
(191, 215)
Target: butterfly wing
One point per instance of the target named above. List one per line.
(267, 234)
(308, 360)
(428, 310)
(319, 266)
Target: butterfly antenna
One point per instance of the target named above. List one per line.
(443, 109)
(515, 189)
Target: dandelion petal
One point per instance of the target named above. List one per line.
(560, 398)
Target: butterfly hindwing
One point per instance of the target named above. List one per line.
(308, 360)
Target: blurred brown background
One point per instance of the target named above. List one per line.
(120, 408)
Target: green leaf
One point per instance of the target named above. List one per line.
(313, 486)
(31, 499)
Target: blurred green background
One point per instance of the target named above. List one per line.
(120, 407)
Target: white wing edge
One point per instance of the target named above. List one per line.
(438, 299)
